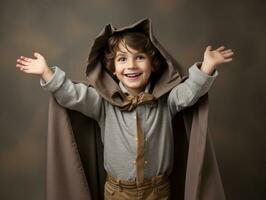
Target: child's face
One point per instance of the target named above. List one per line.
(132, 68)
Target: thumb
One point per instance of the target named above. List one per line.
(37, 55)
(209, 48)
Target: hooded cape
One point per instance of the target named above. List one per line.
(75, 152)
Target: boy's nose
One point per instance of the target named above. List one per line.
(132, 64)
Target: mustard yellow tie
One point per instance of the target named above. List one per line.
(130, 103)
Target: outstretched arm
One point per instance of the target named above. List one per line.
(75, 96)
(200, 80)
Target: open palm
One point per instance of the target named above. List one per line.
(217, 56)
(31, 65)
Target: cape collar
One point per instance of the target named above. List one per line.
(102, 80)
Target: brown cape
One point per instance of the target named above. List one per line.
(75, 152)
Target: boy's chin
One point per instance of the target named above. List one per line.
(135, 88)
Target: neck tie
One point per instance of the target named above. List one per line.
(130, 103)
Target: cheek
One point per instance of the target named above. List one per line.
(117, 68)
(118, 72)
(149, 68)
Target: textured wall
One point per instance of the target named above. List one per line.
(63, 30)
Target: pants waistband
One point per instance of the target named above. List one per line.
(132, 184)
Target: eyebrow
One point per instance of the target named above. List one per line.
(123, 54)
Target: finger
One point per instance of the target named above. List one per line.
(228, 54)
(226, 51)
(37, 55)
(22, 67)
(220, 48)
(209, 48)
(228, 60)
(22, 62)
(19, 65)
(26, 59)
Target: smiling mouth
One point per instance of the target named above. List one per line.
(133, 75)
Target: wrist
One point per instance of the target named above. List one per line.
(207, 68)
(47, 74)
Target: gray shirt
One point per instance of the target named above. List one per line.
(118, 128)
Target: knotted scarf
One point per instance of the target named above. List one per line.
(131, 102)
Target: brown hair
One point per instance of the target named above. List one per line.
(136, 40)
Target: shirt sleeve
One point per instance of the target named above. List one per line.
(75, 96)
(188, 92)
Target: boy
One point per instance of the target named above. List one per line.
(136, 93)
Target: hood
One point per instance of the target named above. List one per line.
(104, 82)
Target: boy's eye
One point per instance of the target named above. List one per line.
(140, 57)
(121, 59)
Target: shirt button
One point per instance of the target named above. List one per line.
(134, 162)
(136, 138)
(146, 162)
(135, 117)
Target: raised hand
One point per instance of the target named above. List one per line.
(213, 58)
(36, 66)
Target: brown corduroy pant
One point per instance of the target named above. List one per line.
(156, 188)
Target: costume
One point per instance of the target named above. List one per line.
(66, 178)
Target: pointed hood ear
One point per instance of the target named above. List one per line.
(102, 79)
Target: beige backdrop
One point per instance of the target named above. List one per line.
(63, 30)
